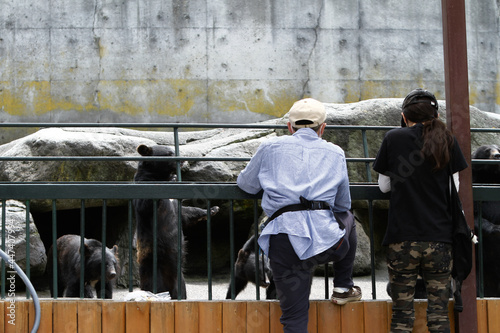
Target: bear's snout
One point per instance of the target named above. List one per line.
(111, 274)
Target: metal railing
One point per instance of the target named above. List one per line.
(367, 191)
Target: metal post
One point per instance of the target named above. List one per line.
(458, 120)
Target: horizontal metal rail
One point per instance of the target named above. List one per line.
(211, 125)
(160, 190)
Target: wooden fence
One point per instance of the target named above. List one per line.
(96, 316)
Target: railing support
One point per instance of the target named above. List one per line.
(458, 120)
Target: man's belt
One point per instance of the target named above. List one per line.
(303, 205)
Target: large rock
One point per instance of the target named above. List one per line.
(209, 143)
(15, 239)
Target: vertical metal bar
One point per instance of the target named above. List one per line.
(82, 248)
(179, 214)
(257, 250)
(327, 289)
(372, 248)
(28, 229)
(54, 248)
(103, 247)
(209, 251)
(231, 247)
(458, 120)
(3, 246)
(130, 254)
(179, 249)
(366, 154)
(480, 251)
(155, 246)
(177, 153)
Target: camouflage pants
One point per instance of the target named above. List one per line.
(405, 261)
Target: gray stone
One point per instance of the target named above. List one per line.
(15, 239)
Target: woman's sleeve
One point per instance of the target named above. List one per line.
(384, 183)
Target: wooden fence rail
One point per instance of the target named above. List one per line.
(96, 316)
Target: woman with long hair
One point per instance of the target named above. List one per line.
(414, 163)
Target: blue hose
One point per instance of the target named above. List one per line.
(28, 284)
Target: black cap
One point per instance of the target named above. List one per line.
(419, 96)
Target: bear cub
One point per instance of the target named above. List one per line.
(168, 232)
(68, 267)
(244, 271)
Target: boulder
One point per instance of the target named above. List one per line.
(221, 142)
(15, 239)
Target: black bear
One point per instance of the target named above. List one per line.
(490, 219)
(244, 271)
(167, 226)
(68, 267)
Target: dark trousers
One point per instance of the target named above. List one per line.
(293, 276)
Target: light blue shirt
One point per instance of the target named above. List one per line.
(291, 166)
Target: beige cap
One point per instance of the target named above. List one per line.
(307, 112)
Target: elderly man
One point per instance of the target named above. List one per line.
(306, 195)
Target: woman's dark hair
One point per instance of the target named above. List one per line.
(437, 140)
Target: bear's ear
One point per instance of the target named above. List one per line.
(115, 250)
(145, 150)
(87, 250)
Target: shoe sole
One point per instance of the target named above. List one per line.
(346, 300)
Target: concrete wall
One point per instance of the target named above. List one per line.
(232, 61)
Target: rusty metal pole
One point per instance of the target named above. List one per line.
(458, 120)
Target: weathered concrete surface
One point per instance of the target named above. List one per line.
(225, 61)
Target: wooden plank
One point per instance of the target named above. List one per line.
(313, 321)
(16, 316)
(10, 311)
(258, 317)
(451, 315)
(389, 314)
(2, 316)
(113, 316)
(351, 317)
(64, 316)
(234, 316)
(375, 318)
(328, 317)
(162, 317)
(186, 317)
(420, 324)
(210, 316)
(137, 317)
(252, 316)
(89, 316)
(274, 317)
(45, 325)
(493, 317)
(482, 316)
(45, 317)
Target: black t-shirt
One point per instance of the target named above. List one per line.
(418, 208)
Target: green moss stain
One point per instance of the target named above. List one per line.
(169, 97)
(183, 97)
(231, 96)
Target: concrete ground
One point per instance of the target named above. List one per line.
(197, 288)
